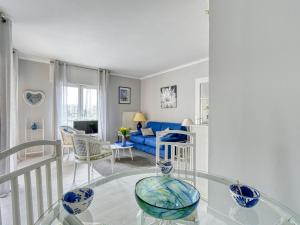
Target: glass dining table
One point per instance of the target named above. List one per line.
(114, 203)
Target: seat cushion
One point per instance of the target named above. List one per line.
(137, 139)
(151, 141)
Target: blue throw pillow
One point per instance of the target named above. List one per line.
(167, 137)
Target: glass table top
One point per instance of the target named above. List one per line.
(114, 203)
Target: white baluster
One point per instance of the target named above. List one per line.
(15, 201)
(49, 185)
(59, 170)
(28, 196)
(39, 192)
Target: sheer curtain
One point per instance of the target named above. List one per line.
(14, 120)
(5, 80)
(89, 103)
(103, 82)
(59, 73)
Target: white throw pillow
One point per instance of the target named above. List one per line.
(147, 131)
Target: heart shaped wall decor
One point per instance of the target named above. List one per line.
(34, 97)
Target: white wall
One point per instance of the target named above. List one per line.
(185, 81)
(254, 90)
(116, 109)
(35, 75)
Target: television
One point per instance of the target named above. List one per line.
(89, 126)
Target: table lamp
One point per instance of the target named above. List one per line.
(139, 117)
(187, 123)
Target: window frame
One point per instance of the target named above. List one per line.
(80, 97)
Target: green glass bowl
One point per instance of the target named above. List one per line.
(166, 198)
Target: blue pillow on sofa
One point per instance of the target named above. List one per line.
(168, 137)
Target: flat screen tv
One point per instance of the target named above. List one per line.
(89, 126)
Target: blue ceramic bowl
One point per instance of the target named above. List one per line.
(165, 166)
(166, 198)
(249, 196)
(78, 200)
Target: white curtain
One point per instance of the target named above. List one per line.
(14, 120)
(5, 95)
(103, 83)
(59, 73)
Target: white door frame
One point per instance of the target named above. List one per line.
(198, 82)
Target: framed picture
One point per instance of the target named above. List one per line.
(124, 95)
(34, 97)
(168, 97)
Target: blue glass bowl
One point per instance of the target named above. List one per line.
(249, 196)
(166, 198)
(78, 200)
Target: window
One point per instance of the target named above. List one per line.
(81, 103)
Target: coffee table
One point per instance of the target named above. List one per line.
(116, 147)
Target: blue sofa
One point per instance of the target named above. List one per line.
(148, 143)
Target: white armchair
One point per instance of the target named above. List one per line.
(89, 150)
(66, 136)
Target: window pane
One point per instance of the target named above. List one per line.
(72, 105)
(89, 104)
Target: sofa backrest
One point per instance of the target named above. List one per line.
(159, 126)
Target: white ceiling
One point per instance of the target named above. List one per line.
(133, 37)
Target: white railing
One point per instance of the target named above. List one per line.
(12, 177)
(183, 154)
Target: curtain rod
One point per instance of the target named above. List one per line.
(77, 65)
(3, 17)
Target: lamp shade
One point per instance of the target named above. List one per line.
(187, 122)
(139, 117)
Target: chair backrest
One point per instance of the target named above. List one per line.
(181, 154)
(13, 176)
(66, 134)
(88, 147)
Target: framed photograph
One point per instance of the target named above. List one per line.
(168, 97)
(124, 95)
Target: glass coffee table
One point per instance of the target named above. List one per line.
(117, 146)
(114, 203)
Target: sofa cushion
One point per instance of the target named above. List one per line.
(151, 141)
(147, 132)
(171, 126)
(137, 139)
(169, 137)
(156, 126)
(136, 133)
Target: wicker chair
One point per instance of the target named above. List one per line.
(66, 136)
(89, 150)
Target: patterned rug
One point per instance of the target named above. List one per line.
(140, 159)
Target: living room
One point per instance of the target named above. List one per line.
(124, 88)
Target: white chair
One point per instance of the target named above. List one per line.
(183, 157)
(182, 154)
(13, 176)
(66, 137)
(89, 150)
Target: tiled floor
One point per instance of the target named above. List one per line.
(68, 169)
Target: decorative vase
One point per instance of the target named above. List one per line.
(123, 141)
(34, 126)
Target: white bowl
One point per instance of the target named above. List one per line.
(78, 200)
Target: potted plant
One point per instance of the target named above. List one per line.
(125, 132)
